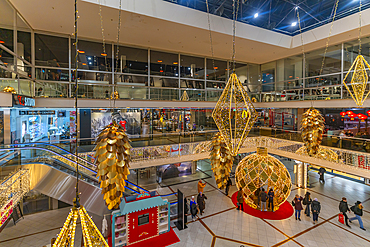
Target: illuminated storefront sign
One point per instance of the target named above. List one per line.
(20, 100)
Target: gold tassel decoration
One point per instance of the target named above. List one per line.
(112, 156)
(221, 160)
(312, 130)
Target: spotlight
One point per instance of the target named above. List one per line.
(296, 7)
(294, 24)
(255, 15)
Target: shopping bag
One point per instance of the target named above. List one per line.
(341, 218)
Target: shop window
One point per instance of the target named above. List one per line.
(192, 67)
(51, 51)
(164, 64)
(91, 56)
(131, 60)
(216, 70)
(7, 25)
(332, 63)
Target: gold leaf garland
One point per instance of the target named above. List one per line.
(221, 160)
(312, 130)
(112, 157)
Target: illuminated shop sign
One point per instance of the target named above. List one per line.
(43, 112)
(20, 100)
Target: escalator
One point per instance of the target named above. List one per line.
(53, 173)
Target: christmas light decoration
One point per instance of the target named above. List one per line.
(312, 130)
(221, 160)
(234, 114)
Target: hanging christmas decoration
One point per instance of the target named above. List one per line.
(262, 170)
(234, 114)
(115, 95)
(112, 156)
(356, 84)
(312, 130)
(221, 160)
(91, 234)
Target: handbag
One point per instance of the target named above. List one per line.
(341, 218)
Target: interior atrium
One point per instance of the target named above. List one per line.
(227, 123)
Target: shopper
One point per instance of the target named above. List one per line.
(263, 199)
(297, 203)
(271, 195)
(193, 208)
(343, 208)
(240, 199)
(186, 210)
(201, 202)
(307, 201)
(228, 184)
(357, 210)
(257, 194)
(316, 207)
(321, 173)
(201, 186)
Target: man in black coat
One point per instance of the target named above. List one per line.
(201, 203)
(322, 172)
(228, 184)
(343, 208)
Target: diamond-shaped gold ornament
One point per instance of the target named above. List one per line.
(234, 114)
(185, 96)
(358, 88)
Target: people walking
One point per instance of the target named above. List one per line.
(193, 208)
(297, 203)
(343, 208)
(263, 199)
(201, 186)
(357, 210)
(316, 207)
(201, 202)
(307, 201)
(257, 193)
(228, 184)
(271, 195)
(240, 199)
(321, 173)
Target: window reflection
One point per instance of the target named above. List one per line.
(131, 60)
(192, 67)
(51, 51)
(164, 64)
(216, 70)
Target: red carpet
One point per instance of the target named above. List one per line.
(162, 240)
(285, 211)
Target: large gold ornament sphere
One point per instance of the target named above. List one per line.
(260, 170)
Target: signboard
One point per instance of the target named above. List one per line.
(43, 112)
(6, 212)
(20, 100)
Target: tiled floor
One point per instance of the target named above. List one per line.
(223, 226)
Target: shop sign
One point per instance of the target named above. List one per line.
(20, 100)
(6, 212)
(43, 112)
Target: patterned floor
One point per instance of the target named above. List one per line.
(222, 225)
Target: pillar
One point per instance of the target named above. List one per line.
(300, 173)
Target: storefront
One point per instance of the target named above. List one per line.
(40, 124)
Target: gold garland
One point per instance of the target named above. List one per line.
(221, 161)
(112, 156)
(312, 130)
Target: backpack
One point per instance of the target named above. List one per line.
(305, 201)
(293, 203)
(353, 208)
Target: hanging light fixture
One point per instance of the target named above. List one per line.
(312, 130)
(343, 114)
(358, 87)
(91, 234)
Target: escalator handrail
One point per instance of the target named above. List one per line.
(52, 145)
(137, 186)
(47, 150)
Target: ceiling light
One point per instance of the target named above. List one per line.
(104, 54)
(175, 63)
(255, 15)
(296, 7)
(159, 61)
(81, 51)
(294, 24)
(2, 42)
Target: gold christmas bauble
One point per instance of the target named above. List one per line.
(260, 170)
